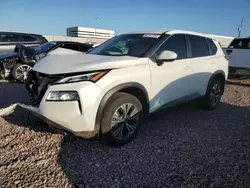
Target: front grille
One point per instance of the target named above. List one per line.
(37, 84)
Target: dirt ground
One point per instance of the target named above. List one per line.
(183, 146)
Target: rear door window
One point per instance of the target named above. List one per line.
(240, 44)
(12, 38)
(83, 48)
(70, 46)
(248, 44)
(199, 46)
(212, 46)
(26, 38)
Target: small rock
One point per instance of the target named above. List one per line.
(16, 182)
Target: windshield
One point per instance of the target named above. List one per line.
(126, 45)
(44, 48)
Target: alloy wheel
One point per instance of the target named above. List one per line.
(215, 95)
(125, 121)
(22, 72)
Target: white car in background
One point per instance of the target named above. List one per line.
(238, 53)
(111, 90)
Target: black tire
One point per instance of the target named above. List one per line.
(15, 71)
(121, 133)
(213, 95)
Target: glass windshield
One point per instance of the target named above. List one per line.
(126, 45)
(44, 48)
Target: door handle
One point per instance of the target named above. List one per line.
(213, 63)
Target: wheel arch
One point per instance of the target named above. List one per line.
(132, 88)
(220, 74)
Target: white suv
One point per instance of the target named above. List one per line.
(239, 56)
(111, 90)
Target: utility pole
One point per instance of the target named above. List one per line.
(240, 28)
(97, 18)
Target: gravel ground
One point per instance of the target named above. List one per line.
(180, 147)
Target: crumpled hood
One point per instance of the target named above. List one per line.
(62, 61)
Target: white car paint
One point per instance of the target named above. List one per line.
(203, 67)
(168, 78)
(239, 58)
(164, 84)
(62, 61)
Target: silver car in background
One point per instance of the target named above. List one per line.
(9, 40)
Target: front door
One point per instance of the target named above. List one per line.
(170, 81)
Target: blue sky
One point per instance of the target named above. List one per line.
(54, 16)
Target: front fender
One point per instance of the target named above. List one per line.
(113, 91)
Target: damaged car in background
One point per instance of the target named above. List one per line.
(18, 63)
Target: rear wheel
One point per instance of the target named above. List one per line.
(121, 119)
(213, 95)
(20, 71)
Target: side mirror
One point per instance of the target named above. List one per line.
(166, 56)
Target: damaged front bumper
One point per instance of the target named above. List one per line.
(77, 116)
(35, 110)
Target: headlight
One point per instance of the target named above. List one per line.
(85, 77)
(62, 96)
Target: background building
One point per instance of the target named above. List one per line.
(86, 32)
(101, 35)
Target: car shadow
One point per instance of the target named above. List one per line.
(11, 92)
(238, 84)
(180, 146)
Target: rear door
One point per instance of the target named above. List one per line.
(239, 53)
(8, 42)
(203, 61)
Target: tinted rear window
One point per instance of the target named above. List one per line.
(199, 47)
(213, 48)
(26, 38)
(83, 48)
(240, 44)
(8, 38)
(70, 46)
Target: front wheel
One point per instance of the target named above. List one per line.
(213, 95)
(121, 119)
(20, 71)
